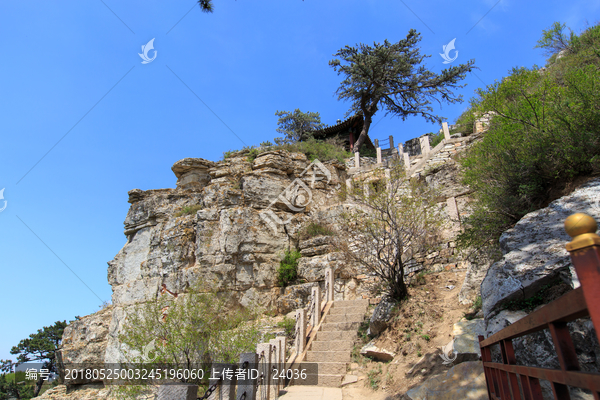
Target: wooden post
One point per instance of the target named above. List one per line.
(264, 370)
(391, 142)
(177, 391)
(446, 131)
(247, 387)
(300, 331)
(378, 150)
(357, 160)
(406, 161)
(316, 311)
(329, 284)
(400, 151)
(376, 142)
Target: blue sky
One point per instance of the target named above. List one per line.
(83, 120)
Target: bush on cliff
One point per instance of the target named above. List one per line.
(546, 133)
(327, 150)
(287, 272)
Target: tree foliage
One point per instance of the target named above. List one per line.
(41, 346)
(544, 135)
(206, 6)
(391, 77)
(293, 125)
(391, 220)
(194, 329)
(554, 39)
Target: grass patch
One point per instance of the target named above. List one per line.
(531, 303)
(374, 377)
(289, 326)
(475, 308)
(315, 229)
(187, 210)
(328, 150)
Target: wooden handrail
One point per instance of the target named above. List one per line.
(506, 380)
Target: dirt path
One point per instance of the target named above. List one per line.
(420, 327)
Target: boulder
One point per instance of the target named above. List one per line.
(381, 315)
(376, 353)
(466, 339)
(463, 381)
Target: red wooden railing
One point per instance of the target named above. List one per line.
(503, 378)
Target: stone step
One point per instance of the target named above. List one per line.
(340, 326)
(345, 318)
(350, 303)
(332, 368)
(330, 380)
(347, 310)
(335, 335)
(328, 356)
(332, 345)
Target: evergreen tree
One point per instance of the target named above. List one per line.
(390, 76)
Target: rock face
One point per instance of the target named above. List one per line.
(227, 226)
(463, 381)
(534, 251)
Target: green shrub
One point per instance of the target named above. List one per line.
(546, 134)
(436, 138)
(289, 325)
(374, 377)
(287, 272)
(186, 210)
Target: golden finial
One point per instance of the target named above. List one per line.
(582, 228)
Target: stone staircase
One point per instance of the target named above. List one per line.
(333, 343)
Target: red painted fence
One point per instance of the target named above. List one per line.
(507, 380)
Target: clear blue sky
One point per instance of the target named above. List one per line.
(79, 107)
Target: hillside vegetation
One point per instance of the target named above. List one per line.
(546, 133)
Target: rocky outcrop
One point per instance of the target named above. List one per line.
(227, 225)
(192, 173)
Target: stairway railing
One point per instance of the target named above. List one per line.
(506, 379)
